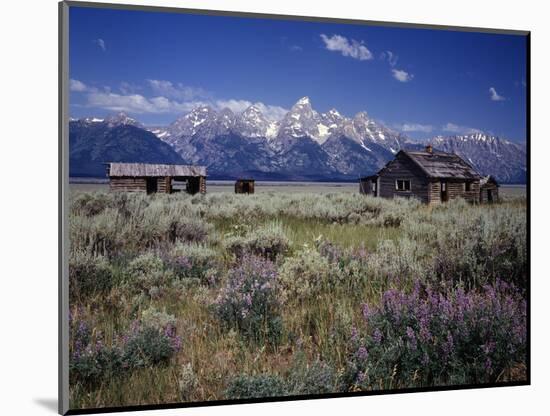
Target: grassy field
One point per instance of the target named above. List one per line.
(221, 296)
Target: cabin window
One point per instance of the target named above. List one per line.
(468, 186)
(402, 185)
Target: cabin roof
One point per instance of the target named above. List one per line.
(367, 178)
(488, 179)
(149, 169)
(442, 165)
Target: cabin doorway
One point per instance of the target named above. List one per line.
(246, 188)
(489, 196)
(151, 185)
(444, 192)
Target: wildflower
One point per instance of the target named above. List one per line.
(362, 353)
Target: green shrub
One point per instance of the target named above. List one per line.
(194, 261)
(160, 320)
(148, 346)
(147, 274)
(303, 379)
(249, 301)
(88, 274)
(246, 387)
(90, 203)
(315, 378)
(306, 275)
(269, 241)
(145, 264)
(92, 361)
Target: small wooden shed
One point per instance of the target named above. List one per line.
(488, 190)
(368, 185)
(244, 186)
(155, 178)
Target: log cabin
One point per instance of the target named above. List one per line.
(156, 178)
(244, 186)
(433, 177)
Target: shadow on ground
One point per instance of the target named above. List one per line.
(49, 404)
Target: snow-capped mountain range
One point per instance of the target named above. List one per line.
(308, 145)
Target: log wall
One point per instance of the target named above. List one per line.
(202, 185)
(455, 189)
(365, 187)
(240, 187)
(401, 168)
(128, 185)
(484, 195)
(164, 185)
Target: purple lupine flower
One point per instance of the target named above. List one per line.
(354, 334)
(377, 336)
(444, 325)
(362, 353)
(412, 337)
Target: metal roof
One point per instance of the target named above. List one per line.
(148, 169)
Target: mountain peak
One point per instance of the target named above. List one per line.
(253, 109)
(121, 118)
(203, 109)
(362, 115)
(226, 111)
(303, 101)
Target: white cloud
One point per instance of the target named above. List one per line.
(128, 88)
(352, 48)
(77, 86)
(495, 96)
(402, 76)
(176, 91)
(137, 104)
(455, 128)
(408, 127)
(390, 57)
(296, 48)
(101, 43)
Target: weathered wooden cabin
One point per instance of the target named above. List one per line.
(244, 186)
(153, 178)
(431, 176)
(488, 190)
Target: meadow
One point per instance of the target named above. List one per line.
(177, 298)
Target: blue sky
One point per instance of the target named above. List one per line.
(157, 66)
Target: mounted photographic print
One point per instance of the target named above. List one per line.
(265, 208)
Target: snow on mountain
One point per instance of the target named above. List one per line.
(201, 119)
(302, 121)
(310, 145)
(252, 123)
(489, 155)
